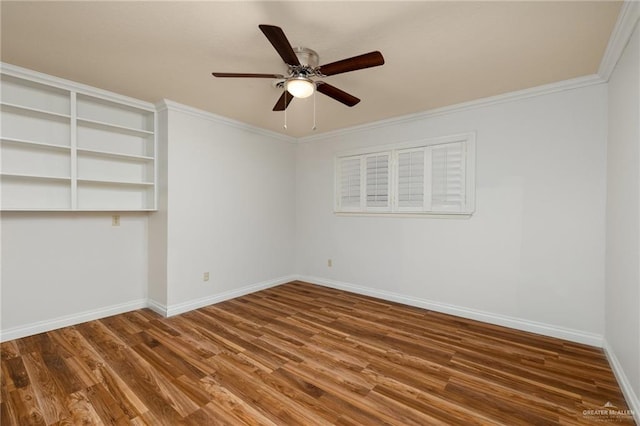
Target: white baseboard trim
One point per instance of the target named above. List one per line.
(190, 305)
(577, 336)
(68, 320)
(166, 311)
(628, 392)
(157, 307)
(171, 310)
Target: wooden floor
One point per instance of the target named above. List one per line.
(301, 354)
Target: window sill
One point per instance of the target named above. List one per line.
(407, 214)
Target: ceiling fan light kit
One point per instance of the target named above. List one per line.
(302, 64)
(300, 87)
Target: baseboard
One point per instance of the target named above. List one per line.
(190, 305)
(171, 310)
(577, 336)
(157, 307)
(629, 395)
(164, 310)
(68, 320)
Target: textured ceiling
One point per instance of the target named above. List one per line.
(437, 53)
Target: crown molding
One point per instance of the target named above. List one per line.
(72, 86)
(622, 31)
(169, 105)
(627, 20)
(560, 86)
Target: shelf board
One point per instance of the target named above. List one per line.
(35, 110)
(114, 154)
(35, 177)
(114, 182)
(35, 144)
(36, 209)
(69, 209)
(110, 209)
(114, 127)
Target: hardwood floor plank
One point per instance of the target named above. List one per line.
(426, 401)
(127, 400)
(402, 414)
(9, 350)
(167, 363)
(62, 374)
(226, 401)
(82, 410)
(195, 345)
(502, 410)
(16, 373)
(23, 408)
(105, 405)
(301, 354)
(302, 396)
(49, 395)
(242, 382)
(204, 415)
(147, 382)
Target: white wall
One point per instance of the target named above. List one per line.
(534, 249)
(226, 206)
(157, 241)
(230, 207)
(58, 266)
(623, 214)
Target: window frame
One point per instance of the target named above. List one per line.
(394, 151)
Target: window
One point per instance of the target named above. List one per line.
(411, 179)
(350, 183)
(430, 177)
(377, 182)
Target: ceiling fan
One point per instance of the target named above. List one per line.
(302, 66)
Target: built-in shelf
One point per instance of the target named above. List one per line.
(30, 110)
(70, 147)
(114, 182)
(36, 209)
(35, 144)
(114, 127)
(33, 176)
(114, 155)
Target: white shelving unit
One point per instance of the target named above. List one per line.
(64, 146)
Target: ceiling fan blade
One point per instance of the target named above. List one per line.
(283, 102)
(280, 43)
(337, 94)
(244, 75)
(368, 60)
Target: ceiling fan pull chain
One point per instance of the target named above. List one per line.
(314, 110)
(285, 108)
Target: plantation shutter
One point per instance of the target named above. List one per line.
(427, 177)
(448, 177)
(377, 178)
(411, 176)
(350, 183)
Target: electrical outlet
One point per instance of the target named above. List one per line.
(115, 220)
(205, 276)
(329, 263)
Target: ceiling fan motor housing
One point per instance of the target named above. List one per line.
(308, 63)
(306, 56)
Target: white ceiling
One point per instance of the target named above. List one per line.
(437, 53)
